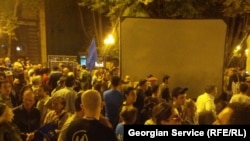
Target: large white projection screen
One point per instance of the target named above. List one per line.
(190, 51)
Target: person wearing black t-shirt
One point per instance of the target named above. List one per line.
(89, 128)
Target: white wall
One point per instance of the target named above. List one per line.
(190, 51)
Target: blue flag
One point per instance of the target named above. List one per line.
(92, 56)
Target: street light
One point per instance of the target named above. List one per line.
(18, 48)
(109, 40)
(238, 47)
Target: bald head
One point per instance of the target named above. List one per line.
(91, 100)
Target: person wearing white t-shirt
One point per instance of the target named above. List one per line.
(205, 101)
(242, 96)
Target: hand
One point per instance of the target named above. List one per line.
(57, 131)
(30, 136)
(16, 81)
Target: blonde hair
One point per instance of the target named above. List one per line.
(91, 99)
(188, 105)
(6, 113)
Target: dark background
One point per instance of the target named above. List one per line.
(70, 28)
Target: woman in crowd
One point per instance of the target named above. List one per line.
(57, 115)
(128, 116)
(8, 130)
(190, 116)
(166, 114)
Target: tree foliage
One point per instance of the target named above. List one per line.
(169, 8)
(9, 18)
(234, 12)
(8, 13)
(232, 8)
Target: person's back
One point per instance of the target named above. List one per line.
(206, 118)
(146, 112)
(242, 96)
(189, 116)
(89, 128)
(113, 99)
(164, 89)
(85, 78)
(205, 101)
(128, 116)
(68, 93)
(77, 115)
(236, 113)
(54, 76)
(141, 95)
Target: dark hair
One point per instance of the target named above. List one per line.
(98, 86)
(162, 111)
(220, 105)
(128, 114)
(178, 91)
(210, 88)
(142, 82)
(128, 90)
(150, 102)
(55, 68)
(206, 118)
(155, 88)
(165, 77)
(115, 81)
(37, 71)
(78, 102)
(241, 113)
(70, 81)
(84, 67)
(243, 87)
(45, 70)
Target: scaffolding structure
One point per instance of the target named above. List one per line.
(67, 61)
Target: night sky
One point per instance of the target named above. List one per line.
(66, 34)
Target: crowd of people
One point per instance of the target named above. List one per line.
(38, 103)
